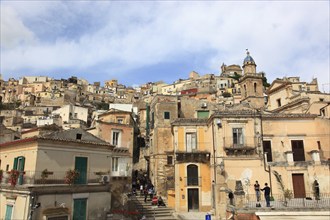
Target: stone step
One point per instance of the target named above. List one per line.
(156, 212)
(150, 211)
(161, 218)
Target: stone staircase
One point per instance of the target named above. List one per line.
(152, 212)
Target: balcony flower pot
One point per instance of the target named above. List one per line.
(71, 176)
(13, 177)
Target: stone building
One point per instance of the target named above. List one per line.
(192, 163)
(38, 180)
(290, 95)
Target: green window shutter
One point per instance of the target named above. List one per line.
(20, 167)
(22, 164)
(9, 211)
(15, 163)
(79, 209)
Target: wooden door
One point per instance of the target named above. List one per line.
(298, 185)
(193, 200)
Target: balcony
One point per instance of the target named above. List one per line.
(279, 202)
(192, 157)
(29, 178)
(193, 181)
(241, 145)
(240, 150)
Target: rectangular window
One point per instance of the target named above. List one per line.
(268, 149)
(120, 120)
(298, 150)
(169, 160)
(114, 164)
(237, 137)
(191, 142)
(319, 145)
(115, 138)
(279, 104)
(152, 120)
(166, 115)
(202, 114)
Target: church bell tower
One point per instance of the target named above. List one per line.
(251, 84)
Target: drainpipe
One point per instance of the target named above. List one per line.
(265, 158)
(214, 171)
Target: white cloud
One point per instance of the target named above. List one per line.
(123, 36)
(13, 32)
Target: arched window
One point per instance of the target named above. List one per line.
(192, 175)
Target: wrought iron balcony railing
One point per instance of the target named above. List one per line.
(193, 181)
(192, 157)
(56, 177)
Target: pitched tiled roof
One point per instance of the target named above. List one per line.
(75, 135)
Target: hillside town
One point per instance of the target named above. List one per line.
(229, 145)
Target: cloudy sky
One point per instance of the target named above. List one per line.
(146, 41)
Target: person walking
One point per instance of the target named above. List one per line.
(266, 190)
(141, 189)
(257, 191)
(145, 194)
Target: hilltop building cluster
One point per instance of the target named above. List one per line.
(70, 149)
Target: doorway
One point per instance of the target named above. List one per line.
(193, 200)
(79, 209)
(81, 166)
(298, 185)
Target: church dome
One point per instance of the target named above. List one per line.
(248, 59)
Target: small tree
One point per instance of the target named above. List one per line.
(287, 194)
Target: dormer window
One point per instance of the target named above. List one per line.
(78, 136)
